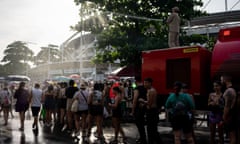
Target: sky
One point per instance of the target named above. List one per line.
(219, 5)
(36, 22)
(43, 22)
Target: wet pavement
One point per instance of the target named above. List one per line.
(11, 135)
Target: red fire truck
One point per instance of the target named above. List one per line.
(194, 65)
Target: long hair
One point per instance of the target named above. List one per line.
(21, 85)
(50, 88)
(117, 89)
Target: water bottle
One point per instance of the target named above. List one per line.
(112, 100)
(189, 115)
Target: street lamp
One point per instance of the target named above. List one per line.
(95, 42)
(226, 5)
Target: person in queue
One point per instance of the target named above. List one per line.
(22, 103)
(82, 97)
(139, 110)
(180, 106)
(69, 93)
(216, 105)
(229, 112)
(12, 91)
(95, 103)
(117, 114)
(63, 103)
(49, 104)
(36, 97)
(152, 112)
(5, 99)
(184, 90)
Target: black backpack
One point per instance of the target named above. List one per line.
(180, 107)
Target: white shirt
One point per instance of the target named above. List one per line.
(5, 94)
(36, 97)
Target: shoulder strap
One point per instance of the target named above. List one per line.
(182, 98)
(83, 96)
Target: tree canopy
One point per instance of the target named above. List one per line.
(48, 54)
(17, 56)
(134, 25)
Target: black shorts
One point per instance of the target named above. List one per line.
(63, 103)
(35, 111)
(82, 112)
(96, 110)
(183, 123)
(116, 113)
(231, 125)
(6, 106)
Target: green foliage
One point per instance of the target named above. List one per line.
(91, 18)
(133, 26)
(194, 39)
(48, 54)
(197, 39)
(17, 51)
(17, 56)
(2, 70)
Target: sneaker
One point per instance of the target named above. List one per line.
(64, 127)
(77, 133)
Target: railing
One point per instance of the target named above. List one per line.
(200, 117)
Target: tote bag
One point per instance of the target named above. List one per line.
(74, 107)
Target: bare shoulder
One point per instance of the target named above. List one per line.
(152, 91)
(230, 92)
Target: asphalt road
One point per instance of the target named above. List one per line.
(11, 135)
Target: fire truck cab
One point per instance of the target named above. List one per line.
(226, 55)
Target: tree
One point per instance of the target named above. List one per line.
(2, 70)
(136, 25)
(17, 56)
(48, 54)
(197, 39)
(91, 18)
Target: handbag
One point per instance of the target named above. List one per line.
(105, 112)
(74, 107)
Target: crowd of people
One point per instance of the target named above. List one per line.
(73, 107)
(223, 106)
(76, 108)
